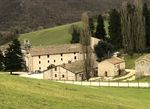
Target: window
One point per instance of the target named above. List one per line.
(39, 57)
(75, 57)
(61, 59)
(39, 68)
(54, 60)
(61, 54)
(48, 61)
(63, 76)
(55, 68)
(47, 56)
(55, 75)
(74, 52)
(39, 62)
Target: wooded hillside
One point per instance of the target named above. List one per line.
(28, 15)
(33, 14)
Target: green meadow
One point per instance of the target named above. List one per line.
(25, 93)
(56, 35)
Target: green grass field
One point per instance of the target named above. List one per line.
(24, 93)
(130, 60)
(56, 35)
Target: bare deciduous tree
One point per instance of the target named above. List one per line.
(86, 46)
(133, 26)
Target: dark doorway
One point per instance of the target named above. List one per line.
(106, 74)
(119, 72)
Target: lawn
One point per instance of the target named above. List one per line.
(130, 60)
(24, 93)
(56, 35)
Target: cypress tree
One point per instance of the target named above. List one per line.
(100, 29)
(115, 29)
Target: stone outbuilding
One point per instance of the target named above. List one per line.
(142, 66)
(70, 71)
(111, 67)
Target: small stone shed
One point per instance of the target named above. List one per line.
(111, 67)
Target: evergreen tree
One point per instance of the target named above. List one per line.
(115, 29)
(100, 29)
(75, 32)
(103, 50)
(146, 13)
(1, 61)
(14, 57)
(91, 26)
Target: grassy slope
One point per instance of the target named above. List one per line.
(56, 35)
(23, 93)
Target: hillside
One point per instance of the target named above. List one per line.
(55, 35)
(28, 15)
(24, 93)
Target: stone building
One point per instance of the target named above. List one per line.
(70, 71)
(111, 67)
(39, 58)
(142, 66)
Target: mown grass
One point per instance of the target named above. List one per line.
(56, 35)
(130, 60)
(24, 93)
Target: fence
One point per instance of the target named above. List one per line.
(110, 84)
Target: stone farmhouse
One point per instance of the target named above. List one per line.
(142, 66)
(111, 67)
(70, 71)
(39, 58)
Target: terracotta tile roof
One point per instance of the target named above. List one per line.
(144, 57)
(56, 49)
(115, 60)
